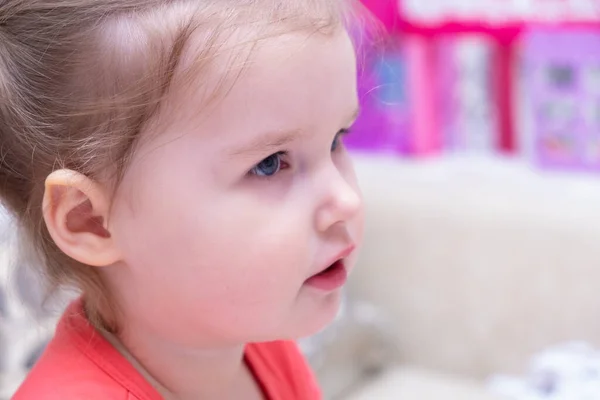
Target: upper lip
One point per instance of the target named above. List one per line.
(341, 255)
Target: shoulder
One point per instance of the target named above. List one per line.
(68, 376)
(80, 364)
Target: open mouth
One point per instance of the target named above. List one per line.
(332, 268)
(331, 278)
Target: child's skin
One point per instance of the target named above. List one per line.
(203, 254)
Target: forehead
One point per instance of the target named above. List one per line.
(289, 81)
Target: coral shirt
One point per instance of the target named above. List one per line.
(80, 364)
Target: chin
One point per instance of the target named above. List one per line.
(316, 315)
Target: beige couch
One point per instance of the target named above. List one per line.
(478, 263)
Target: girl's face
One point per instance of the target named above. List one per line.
(224, 216)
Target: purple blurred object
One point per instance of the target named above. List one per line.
(384, 123)
(563, 82)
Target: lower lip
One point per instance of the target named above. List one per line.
(331, 279)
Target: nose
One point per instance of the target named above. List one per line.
(340, 202)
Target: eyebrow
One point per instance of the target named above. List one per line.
(265, 142)
(276, 140)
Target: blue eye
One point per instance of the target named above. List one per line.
(269, 166)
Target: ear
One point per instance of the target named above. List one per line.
(76, 213)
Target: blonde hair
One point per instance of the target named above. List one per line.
(80, 79)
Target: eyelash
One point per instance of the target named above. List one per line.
(340, 135)
(282, 165)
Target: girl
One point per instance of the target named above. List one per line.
(180, 162)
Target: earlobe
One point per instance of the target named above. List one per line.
(76, 213)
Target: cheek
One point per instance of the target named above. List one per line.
(214, 248)
(232, 275)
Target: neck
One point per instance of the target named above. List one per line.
(179, 373)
